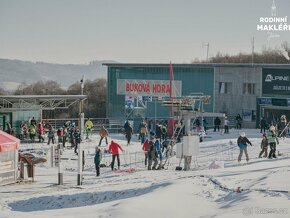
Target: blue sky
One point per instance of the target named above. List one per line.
(131, 31)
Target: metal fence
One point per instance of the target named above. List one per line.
(8, 166)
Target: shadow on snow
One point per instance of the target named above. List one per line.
(79, 200)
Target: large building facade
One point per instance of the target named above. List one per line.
(252, 91)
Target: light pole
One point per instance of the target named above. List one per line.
(206, 45)
(81, 126)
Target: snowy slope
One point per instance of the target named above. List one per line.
(199, 192)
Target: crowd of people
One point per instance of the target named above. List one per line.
(153, 139)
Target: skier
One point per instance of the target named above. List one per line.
(264, 146)
(272, 140)
(114, 149)
(97, 160)
(242, 143)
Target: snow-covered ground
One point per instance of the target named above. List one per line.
(200, 192)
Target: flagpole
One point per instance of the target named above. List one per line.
(170, 97)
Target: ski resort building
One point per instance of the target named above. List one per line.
(253, 91)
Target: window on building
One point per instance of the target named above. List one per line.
(249, 88)
(225, 87)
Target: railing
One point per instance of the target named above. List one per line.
(112, 125)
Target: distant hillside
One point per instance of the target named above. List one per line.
(14, 72)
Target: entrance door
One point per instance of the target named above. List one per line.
(4, 119)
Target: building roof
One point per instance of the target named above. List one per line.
(282, 66)
(44, 102)
(42, 97)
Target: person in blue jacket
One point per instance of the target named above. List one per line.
(159, 152)
(243, 142)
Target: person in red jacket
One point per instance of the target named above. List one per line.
(40, 132)
(145, 149)
(114, 149)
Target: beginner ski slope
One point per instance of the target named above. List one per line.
(200, 192)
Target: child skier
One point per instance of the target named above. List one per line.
(264, 146)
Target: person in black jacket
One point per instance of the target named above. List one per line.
(239, 121)
(263, 124)
(217, 123)
(128, 133)
(158, 132)
(243, 142)
(152, 155)
(97, 160)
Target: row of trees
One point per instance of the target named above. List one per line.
(94, 106)
(279, 55)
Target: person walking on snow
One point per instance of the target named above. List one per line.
(152, 155)
(114, 149)
(263, 124)
(243, 142)
(217, 123)
(77, 137)
(143, 132)
(40, 132)
(50, 134)
(145, 149)
(97, 160)
(104, 134)
(159, 153)
(272, 140)
(88, 126)
(239, 121)
(264, 146)
(226, 125)
(128, 133)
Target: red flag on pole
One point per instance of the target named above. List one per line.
(171, 79)
(171, 120)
